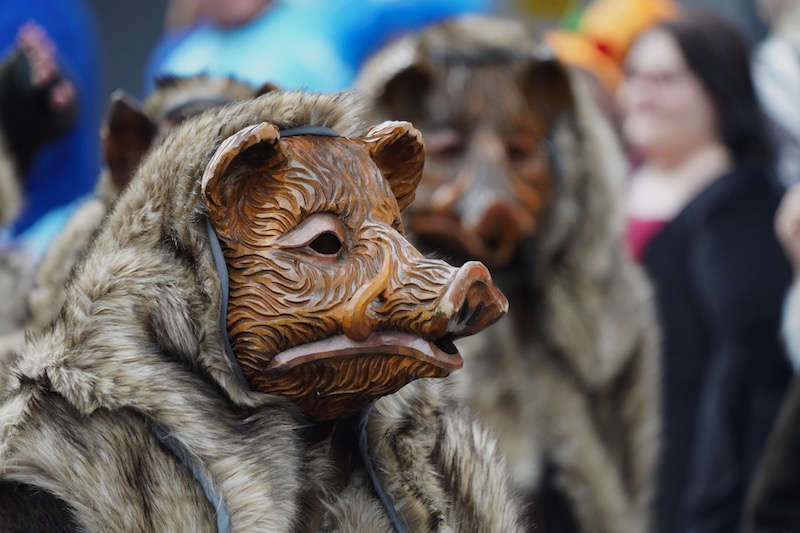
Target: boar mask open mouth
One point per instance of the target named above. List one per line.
(336, 375)
(441, 353)
(330, 306)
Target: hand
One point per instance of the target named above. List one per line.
(41, 54)
(787, 226)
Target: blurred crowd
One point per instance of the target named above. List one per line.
(628, 169)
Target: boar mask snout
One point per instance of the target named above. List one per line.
(472, 302)
(426, 297)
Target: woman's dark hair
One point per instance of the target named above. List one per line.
(718, 54)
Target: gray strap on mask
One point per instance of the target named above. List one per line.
(192, 463)
(386, 500)
(222, 273)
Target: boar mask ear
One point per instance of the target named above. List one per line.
(216, 194)
(127, 135)
(265, 88)
(547, 87)
(399, 151)
(404, 94)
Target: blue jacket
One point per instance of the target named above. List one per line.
(300, 44)
(67, 167)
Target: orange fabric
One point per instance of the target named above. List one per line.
(606, 31)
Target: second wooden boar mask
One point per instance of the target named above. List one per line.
(328, 303)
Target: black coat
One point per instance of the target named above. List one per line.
(720, 277)
(773, 505)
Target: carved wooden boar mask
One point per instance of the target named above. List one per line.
(328, 304)
(487, 103)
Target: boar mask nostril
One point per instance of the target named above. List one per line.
(446, 345)
(494, 243)
(471, 302)
(463, 313)
(474, 316)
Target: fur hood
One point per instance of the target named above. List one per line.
(174, 91)
(580, 247)
(136, 353)
(568, 382)
(590, 285)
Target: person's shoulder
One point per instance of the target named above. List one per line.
(748, 188)
(162, 52)
(735, 218)
(759, 186)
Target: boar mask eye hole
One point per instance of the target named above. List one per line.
(515, 152)
(521, 148)
(323, 234)
(326, 243)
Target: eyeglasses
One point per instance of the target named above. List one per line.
(657, 78)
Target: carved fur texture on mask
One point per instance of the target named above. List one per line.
(269, 200)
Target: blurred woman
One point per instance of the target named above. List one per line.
(700, 220)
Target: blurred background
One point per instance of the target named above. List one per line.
(316, 45)
(130, 30)
(703, 106)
